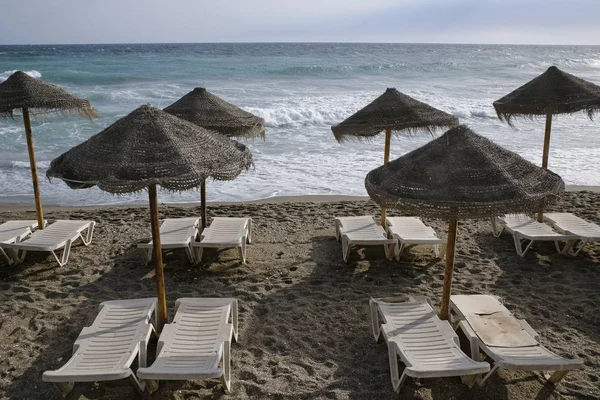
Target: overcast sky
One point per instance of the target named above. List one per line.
(437, 21)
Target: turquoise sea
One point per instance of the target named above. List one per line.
(300, 89)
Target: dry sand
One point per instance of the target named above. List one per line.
(304, 320)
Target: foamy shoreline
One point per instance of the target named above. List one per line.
(27, 204)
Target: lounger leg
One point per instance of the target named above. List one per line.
(14, 255)
(375, 321)
(64, 387)
(190, 253)
(136, 384)
(556, 377)
(198, 250)
(576, 249)
(242, 251)
(496, 230)
(8, 259)
(399, 250)
(249, 236)
(345, 249)
(389, 251)
(481, 381)
(469, 380)
(519, 247)
(90, 233)
(234, 319)
(442, 251)
(397, 381)
(226, 378)
(65, 255)
(146, 255)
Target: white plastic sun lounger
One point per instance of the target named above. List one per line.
(510, 342)
(362, 231)
(526, 231)
(196, 342)
(175, 233)
(105, 350)
(225, 232)
(573, 225)
(59, 235)
(425, 344)
(14, 232)
(411, 230)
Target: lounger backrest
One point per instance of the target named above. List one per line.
(573, 224)
(114, 334)
(200, 325)
(226, 228)
(411, 226)
(417, 329)
(176, 229)
(361, 226)
(526, 225)
(58, 232)
(493, 323)
(9, 230)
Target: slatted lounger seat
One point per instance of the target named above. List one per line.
(225, 232)
(14, 232)
(59, 235)
(105, 350)
(196, 342)
(425, 344)
(573, 225)
(175, 233)
(526, 231)
(510, 342)
(362, 231)
(411, 230)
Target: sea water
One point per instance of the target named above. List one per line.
(300, 89)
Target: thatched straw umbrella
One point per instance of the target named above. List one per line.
(457, 176)
(146, 148)
(553, 92)
(27, 93)
(211, 112)
(392, 112)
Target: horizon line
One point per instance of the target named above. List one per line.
(298, 42)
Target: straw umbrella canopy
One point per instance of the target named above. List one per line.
(146, 148)
(211, 112)
(461, 175)
(392, 112)
(27, 93)
(553, 92)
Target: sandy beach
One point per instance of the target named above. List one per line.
(304, 318)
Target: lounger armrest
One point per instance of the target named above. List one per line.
(165, 337)
(472, 337)
(449, 332)
(388, 331)
(525, 325)
(226, 334)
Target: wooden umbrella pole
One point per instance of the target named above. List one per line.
(540, 215)
(157, 255)
(34, 175)
(203, 203)
(386, 158)
(547, 139)
(450, 245)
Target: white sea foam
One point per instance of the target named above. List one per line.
(33, 73)
(300, 155)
